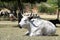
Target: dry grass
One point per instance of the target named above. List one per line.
(45, 16)
(18, 34)
(9, 32)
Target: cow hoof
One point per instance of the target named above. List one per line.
(27, 34)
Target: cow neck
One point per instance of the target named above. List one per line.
(31, 23)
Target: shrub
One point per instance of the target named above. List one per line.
(44, 9)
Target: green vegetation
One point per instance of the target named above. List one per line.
(9, 5)
(50, 7)
(53, 2)
(13, 4)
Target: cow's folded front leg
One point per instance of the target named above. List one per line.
(27, 33)
(31, 34)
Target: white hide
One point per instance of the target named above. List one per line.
(42, 27)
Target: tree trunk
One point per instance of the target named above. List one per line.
(20, 6)
(58, 14)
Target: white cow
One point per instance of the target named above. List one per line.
(37, 26)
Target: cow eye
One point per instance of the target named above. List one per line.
(25, 21)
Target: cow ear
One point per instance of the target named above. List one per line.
(23, 15)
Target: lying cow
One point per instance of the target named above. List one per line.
(37, 26)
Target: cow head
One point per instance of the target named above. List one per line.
(25, 21)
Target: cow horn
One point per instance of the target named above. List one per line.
(31, 14)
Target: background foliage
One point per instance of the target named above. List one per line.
(13, 4)
(50, 7)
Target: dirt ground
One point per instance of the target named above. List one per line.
(8, 31)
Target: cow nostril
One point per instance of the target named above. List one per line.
(19, 26)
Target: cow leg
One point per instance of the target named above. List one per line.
(27, 33)
(31, 34)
